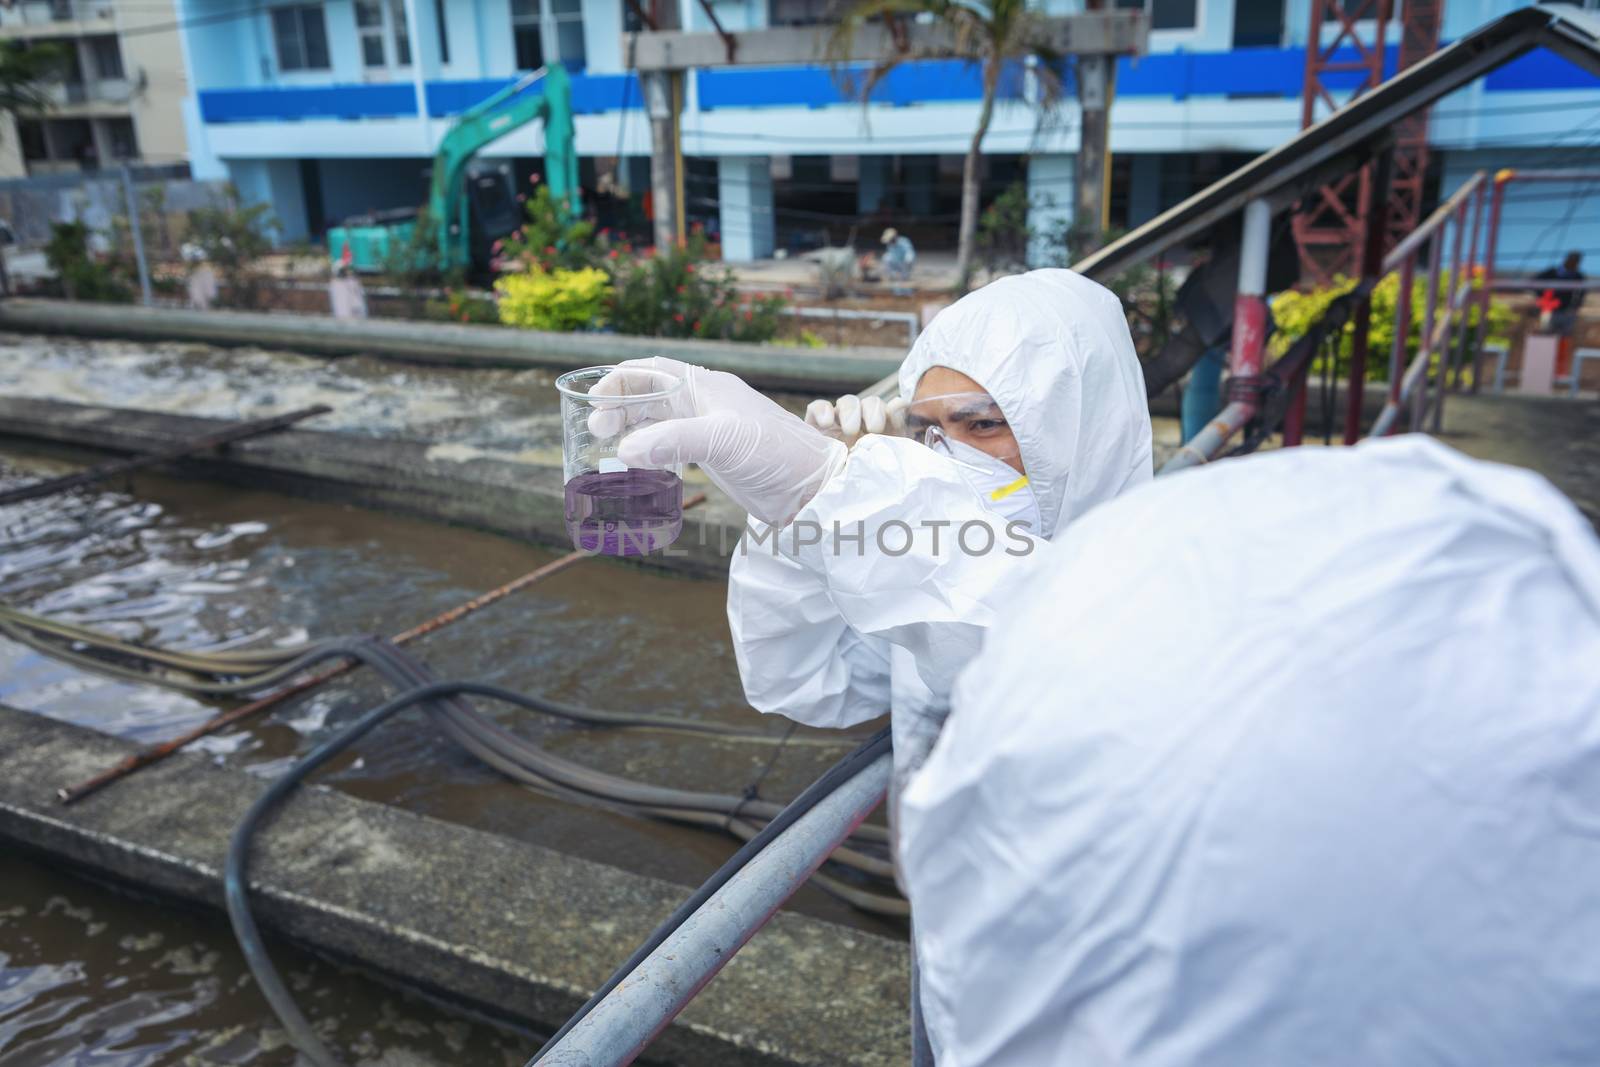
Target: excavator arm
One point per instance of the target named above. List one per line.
(545, 94)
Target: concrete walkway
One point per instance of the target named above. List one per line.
(1557, 437)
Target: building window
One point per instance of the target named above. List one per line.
(1164, 14)
(381, 25)
(548, 31)
(526, 34)
(301, 37)
(568, 17)
(124, 143)
(30, 134)
(444, 31)
(107, 57)
(801, 12)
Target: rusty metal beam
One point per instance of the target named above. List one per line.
(203, 443)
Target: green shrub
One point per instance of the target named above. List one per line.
(558, 300)
(82, 274)
(678, 292)
(460, 305)
(551, 239)
(806, 339)
(235, 236)
(1294, 312)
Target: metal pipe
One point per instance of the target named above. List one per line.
(625, 1022)
(1450, 321)
(1294, 417)
(1402, 333)
(1491, 248)
(203, 443)
(1250, 307)
(138, 235)
(1419, 400)
(1204, 446)
(1412, 242)
(1371, 268)
(1459, 360)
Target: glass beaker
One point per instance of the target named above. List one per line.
(614, 510)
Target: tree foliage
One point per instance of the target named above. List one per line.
(1295, 312)
(26, 70)
(995, 36)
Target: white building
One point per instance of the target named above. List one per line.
(333, 108)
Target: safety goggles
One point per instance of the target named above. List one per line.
(973, 419)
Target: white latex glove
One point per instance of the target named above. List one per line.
(850, 418)
(769, 461)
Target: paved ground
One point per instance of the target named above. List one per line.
(1557, 437)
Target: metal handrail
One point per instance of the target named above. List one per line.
(620, 1026)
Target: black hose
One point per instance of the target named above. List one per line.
(235, 881)
(399, 668)
(831, 779)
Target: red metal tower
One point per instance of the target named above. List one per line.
(1419, 38)
(1329, 226)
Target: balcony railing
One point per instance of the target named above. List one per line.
(51, 12)
(98, 91)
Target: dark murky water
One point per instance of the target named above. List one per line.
(90, 977)
(197, 566)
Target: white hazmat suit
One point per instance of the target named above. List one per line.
(832, 636)
(1291, 760)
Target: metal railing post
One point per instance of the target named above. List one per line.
(138, 234)
(1371, 267)
(1459, 361)
(1250, 303)
(1491, 248)
(1402, 331)
(1419, 398)
(1447, 344)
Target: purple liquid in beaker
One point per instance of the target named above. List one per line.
(624, 513)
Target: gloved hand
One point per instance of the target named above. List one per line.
(769, 461)
(851, 417)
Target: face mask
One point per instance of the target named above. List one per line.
(1003, 490)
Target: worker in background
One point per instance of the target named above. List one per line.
(1290, 760)
(1565, 305)
(899, 255)
(347, 298)
(1565, 316)
(1028, 409)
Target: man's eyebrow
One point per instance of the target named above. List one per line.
(977, 409)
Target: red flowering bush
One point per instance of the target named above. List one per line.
(681, 293)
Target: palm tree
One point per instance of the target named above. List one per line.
(990, 34)
(24, 72)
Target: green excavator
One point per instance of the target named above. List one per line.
(471, 205)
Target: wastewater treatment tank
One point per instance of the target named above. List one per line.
(171, 562)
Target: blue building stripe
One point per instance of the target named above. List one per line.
(1255, 72)
(592, 94)
(927, 82)
(281, 104)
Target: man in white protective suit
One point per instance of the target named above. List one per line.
(869, 575)
(1290, 760)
